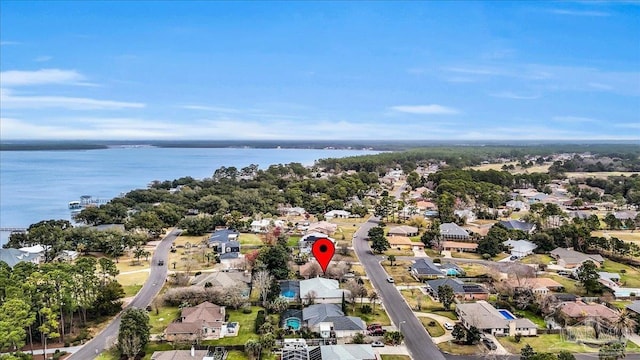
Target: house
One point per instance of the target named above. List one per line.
(520, 248)
(578, 311)
(494, 321)
(68, 255)
(193, 354)
(264, 225)
(451, 269)
(403, 230)
(37, 251)
(518, 225)
(203, 321)
(322, 290)
(348, 352)
(306, 242)
(625, 215)
(517, 205)
(459, 246)
(225, 243)
(610, 280)
(295, 349)
(292, 211)
(404, 243)
(225, 280)
(329, 316)
(324, 227)
(634, 306)
(467, 214)
(451, 231)
(14, 256)
(461, 290)
(337, 214)
(537, 285)
(105, 227)
(569, 259)
(423, 269)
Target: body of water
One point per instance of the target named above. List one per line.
(38, 185)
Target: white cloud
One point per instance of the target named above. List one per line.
(39, 77)
(43, 58)
(512, 95)
(575, 119)
(432, 109)
(10, 101)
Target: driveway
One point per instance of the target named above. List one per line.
(158, 274)
(416, 338)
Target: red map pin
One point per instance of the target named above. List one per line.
(323, 249)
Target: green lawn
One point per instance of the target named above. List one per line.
(250, 239)
(570, 286)
(379, 316)
(246, 321)
(466, 255)
(474, 269)
(457, 349)
(536, 319)
(131, 290)
(550, 343)
(399, 272)
(434, 331)
(293, 241)
(165, 316)
(500, 256)
(537, 259)
(237, 355)
(395, 357)
(629, 278)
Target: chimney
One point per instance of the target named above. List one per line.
(193, 351)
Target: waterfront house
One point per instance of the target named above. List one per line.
(14, 256)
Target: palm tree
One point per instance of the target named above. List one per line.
(391, 259)
(373, 297)
(253, 348)
(624, 324)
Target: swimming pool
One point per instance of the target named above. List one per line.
(506, 314)
(289, 294)
(292, 323)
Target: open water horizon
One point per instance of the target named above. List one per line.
(38, 185)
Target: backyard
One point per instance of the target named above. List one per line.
(549, 343)
(246, 323)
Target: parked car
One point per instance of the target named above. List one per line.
(160, 262)
(448, 326)
(374, 326)
(489, 344)
(377, 344)
(513, 258)
(377, 332)
(390, 280)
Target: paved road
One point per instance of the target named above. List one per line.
(151, 287)
(416, 338)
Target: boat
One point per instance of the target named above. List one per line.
(84, 202)
(75, 205)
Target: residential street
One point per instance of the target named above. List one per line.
(151, 287)
(416, 338)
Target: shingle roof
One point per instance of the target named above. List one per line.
(223, 235)
(403, 230)
(452, 229)
(517, 225)
(634, 306)
(458, 286)
(581, 310)
(14, 256)
(521, 246)
(575, 257)
(341, 323)
(484, 316)
(425, 267)
(324, 288)
(348, 352)
(317, 313)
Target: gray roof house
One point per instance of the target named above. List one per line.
(425, 269)
(518, 225)
(14, 256)
(494, 321)
(451, 231)
(225, 243)
(348, 352)
(520, 248)
(314, 316)
(323, 290)
(634, 306)
(568, 258)
(462, 290)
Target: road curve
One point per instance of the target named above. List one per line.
(418, 341)
(157, 276)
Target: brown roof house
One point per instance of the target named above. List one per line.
(403, 230)
(569, 258)
(403, 242)
(577, 311)
(203, 321)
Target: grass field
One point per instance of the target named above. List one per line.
(435, 330)
(136, 278)
(246, 321)
(395, 357)
(475, 269)
(379, 316)
(550, 343)
(518, 170)
(131, 290)
(427, 304)
(537, 259)
(165, 316)
(570, 286)
(466, 255)
(397, 252)
(250, 239)
(629, 276)
(457, 349)
(625, 235)
(399, 272)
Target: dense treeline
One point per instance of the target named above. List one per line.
(616, 161)
(461, 156)
(615, 188)
(50, 301)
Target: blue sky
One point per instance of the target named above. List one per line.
(320, 70)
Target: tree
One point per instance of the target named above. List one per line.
(15, 317)
(358, 338)
(379, 242)
(391, 259)
(473, 335)
(588, 275)
(565, 355)
(393, 337)
(274, 259)
(262, 282)
(354, 289)
(527, 353)
(48, 326)
(446, 296)
(459, 333)
(253, 348)
(373, 298)
(612, 351)
(134, 332)
(624, 325)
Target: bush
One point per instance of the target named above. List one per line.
(246, 308)
(518, 337)
(432, 323)
(486, 256)
(198, 273)
(366, 309)
(260, 319)
(623, 271)
(437, 261)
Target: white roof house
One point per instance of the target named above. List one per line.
(343, 214)
(520, 248)
(262, 226)
(494, 321)
(348, 352)
(324, 290)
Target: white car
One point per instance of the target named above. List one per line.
(390, 280)
(448, 326)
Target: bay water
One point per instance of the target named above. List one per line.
(38, 185)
